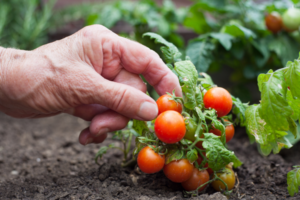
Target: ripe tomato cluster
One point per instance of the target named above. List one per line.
(171, 126)
(289, 21)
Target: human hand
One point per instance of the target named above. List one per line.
(93, 74)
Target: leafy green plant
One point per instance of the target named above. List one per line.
(24, 24)
(233, 34)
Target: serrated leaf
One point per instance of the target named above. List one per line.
(192, 155)
(218, 156)
(239, 110)
(267, 138)
(274, 106)
(169, 50)
(102, 151)
(201, 54)
(200, 114)
(188, 78)
(295, 105)
(140, 127)
(218, 125)
(236, 162)
(174, 154)
(293, 181)
(224, 39)
(292, 77)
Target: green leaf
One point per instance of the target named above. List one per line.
(188, 76)
(274, 106)
(239, 110)
(238, 31)
(267, 138)
(224, 39)
(292, 77)
(201, 54)
(170, 51)
(140, 127)
(218, 156)
(218, 125)
(293, 181)
(236, 162)
(109, 16)
(192, 155)
(102, 151)
(285, 47)
(295, 105)
(174, 154)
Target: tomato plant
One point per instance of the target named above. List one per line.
(170, 127)
(219, 99)
(198, 178)
(291, 19)
(273, 22)
(149, 161)
(200, 160)
(168, 102)
(229, 131)
(191, 127)
(227, 176)
(179, 171)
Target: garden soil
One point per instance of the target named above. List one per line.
(42, 159)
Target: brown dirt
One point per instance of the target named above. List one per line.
(41, 159)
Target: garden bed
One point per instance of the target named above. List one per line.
(41, 159)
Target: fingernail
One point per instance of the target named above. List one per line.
(148, 111)
(70, 111)
(102, 131)
(88, 141)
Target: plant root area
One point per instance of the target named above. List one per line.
(42, 159)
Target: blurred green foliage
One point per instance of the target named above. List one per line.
(24, 24)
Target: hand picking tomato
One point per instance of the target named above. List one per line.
(179, 171)
(170, 127)
(197, 179)
(219, 99)
(228, 177)
(274, 22)
(291, 19)
(229, 131)
(199, 161)
(149, 161)
(165, 103)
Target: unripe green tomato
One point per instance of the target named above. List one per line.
(291, 19)
(191, 128)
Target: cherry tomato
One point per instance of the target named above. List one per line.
(219, 99)
(191, 128)
(198, 178)
(170, 127)
(149, 161)
(199, 161)
(164, 103)
(228, 177)
(229, 131)
(291, 19)
(274, 22)
(179, 171)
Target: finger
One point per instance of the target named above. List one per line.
(134, 57)
(86, 137)
(107, 122)
(87, 112)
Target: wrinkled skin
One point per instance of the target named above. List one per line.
(92, 74)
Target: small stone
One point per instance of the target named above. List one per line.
(14, 172)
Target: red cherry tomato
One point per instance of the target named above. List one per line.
(229, 131)
(228, 177)
(179, 171)
(199, 161)
(218, 99)
(164, 103)
(149, 161)
(274, 22)
(169, 127)
(197, 179)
